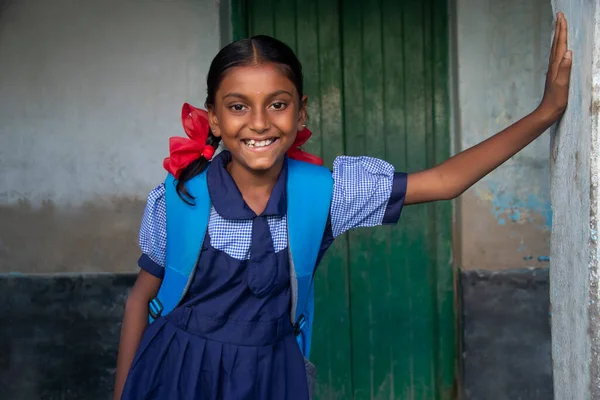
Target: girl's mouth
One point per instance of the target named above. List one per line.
(259, 144)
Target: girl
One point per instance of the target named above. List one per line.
(230, 336)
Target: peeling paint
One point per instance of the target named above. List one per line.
(517, 207)
(507, 246)
(503, 51)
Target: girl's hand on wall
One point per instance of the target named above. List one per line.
(556, 92)
(451, 178)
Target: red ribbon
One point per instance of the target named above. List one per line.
(183, 151)
(296, 153)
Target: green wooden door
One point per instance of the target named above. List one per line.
(376, 75)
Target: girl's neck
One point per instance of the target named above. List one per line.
(256, 187)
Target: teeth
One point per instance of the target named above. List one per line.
(260, 143)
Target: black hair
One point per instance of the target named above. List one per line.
(250, 51)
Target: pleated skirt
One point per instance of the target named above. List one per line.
(186, 355)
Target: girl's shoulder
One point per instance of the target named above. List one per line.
(153, 232)
(155, 215)
(366, 192)
(155, 204)
(361, 165)
(157, 194)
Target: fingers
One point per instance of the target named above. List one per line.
(561, 46)
(555, 40)
(559, 49)
(564, 69)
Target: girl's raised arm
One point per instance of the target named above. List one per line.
(451, 178)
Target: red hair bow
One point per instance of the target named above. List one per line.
(183, 151)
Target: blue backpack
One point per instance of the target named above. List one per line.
(309, 193)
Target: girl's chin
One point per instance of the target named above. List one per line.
(260, 162)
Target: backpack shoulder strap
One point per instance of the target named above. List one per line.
(309, 194)
(186, 228)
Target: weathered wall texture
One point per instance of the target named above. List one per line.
(503, 50)
(59, 335)
(90, 91)
(575, 176)
(506, 349)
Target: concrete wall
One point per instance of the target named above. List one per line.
(503, 49)
(86, 113)
(504, 221)
(574, 286)
(506, 349)
(59, 335)
(90, 91)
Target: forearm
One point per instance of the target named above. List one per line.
(135, 322)
(463, 170)
(451, 178)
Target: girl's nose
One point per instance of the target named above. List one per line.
(259, 122)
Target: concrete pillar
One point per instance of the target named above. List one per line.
(575, 249)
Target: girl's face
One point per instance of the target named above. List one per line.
(257, 113)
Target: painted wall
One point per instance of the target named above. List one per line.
(59, 335)
(503, 47)
(506, 344)
(86, 113)
(89, 94)
(575, 159)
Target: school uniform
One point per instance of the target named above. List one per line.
(231, 337)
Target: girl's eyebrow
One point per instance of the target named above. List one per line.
(280, 92)
(241, 96)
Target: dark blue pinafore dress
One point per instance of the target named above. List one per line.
(231, 338)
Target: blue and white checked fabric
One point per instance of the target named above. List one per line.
(362, 188)
(221, 232)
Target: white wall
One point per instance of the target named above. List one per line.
(574, 291)
(90, 91)
(502, 58)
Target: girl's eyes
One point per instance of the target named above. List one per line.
(278, 106)
(237, 107)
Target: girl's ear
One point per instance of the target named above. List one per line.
(214, 122)
(303, 114)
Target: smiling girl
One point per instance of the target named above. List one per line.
(235, 326)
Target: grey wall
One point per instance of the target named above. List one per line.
(503, 49)
(59, 335)
(575, 175)
(90, 91)
(506, 335)
(504, 221)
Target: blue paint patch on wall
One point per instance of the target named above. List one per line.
(507, 202)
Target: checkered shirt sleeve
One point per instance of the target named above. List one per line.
(362, 190)
(153, 232)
